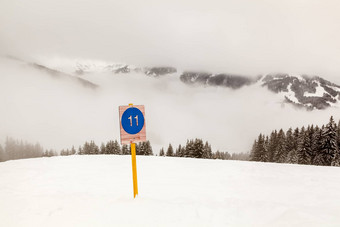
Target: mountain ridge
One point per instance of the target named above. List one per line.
(302, 91)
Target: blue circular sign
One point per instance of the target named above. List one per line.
(132, 120)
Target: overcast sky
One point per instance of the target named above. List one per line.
(248, 37)
(243, 36)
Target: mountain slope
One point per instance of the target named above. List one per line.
(223, 80)
(57, 73)
(97, 191)
(310, 92)
(304, 91)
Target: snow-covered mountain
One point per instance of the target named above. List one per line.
(43, 94)
(304, 91)
(102, 67)
(310, 92)
(55, 72)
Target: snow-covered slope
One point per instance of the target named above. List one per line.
(51, 71)
(85, 66)
(304, 91)
(97, 191)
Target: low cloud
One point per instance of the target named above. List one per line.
(239, 37)
(60, 113)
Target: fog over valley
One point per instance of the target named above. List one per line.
(60, 112)
(43, 98)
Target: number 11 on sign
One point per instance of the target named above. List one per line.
(130, 118)
(132, 129)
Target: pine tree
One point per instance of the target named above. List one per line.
(179, 151)
(281, 151)
(253, 152)
(217, 155)
(260, 153)
(90, 148)
(227, 156)
(317, 147)
(304, 147)
(183, 150)
(145, 148)
(296, 138)
(73, 151)
(315, 136)
(189, 149)
(161, 153)
(141, 148)
(266, 147)
(310, 143)
(86, 148)
(148, 150)
(112, 147)
(170, 151)
(80, 150)
(198, 148)
(125, 150)
(272, 146)
(292, 157)
(2, 154)
(291, 146)
(138, 149)
(116, 146)
(207, 150)
(102, 148)
(94, 148)
(289, 140)
(10, 148)
(329, 147)
(109, 148)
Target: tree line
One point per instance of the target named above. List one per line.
(313, 145)
(196, 148)
(15, 149)
(111, 147)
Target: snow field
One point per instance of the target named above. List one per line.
(97, 191)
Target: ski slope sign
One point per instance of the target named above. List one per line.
(132, 124)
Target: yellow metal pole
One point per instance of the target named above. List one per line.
(134, 169)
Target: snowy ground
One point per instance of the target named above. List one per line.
(97, 191)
